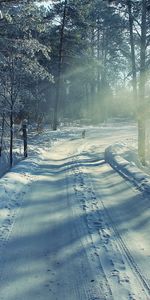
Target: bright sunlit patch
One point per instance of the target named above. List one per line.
(45, 3)
(3, 213)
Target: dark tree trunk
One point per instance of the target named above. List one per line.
(141, 106)
(92, 82)
(11, 138)
(139, 101)
(132, 45)
(98, 57)
(58, 79)
(2, 134)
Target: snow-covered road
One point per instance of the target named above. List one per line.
(82, 231)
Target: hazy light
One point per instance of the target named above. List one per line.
(45, 3)
(1, 15)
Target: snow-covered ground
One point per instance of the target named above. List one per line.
(71, 227)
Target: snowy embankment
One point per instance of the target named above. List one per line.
(13, 186)
(125, 161)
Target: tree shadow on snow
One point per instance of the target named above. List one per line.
(48, 245)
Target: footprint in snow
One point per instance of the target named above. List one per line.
(115, 272)
(132, 297)
(124, 279)
(97, 222)
(84, 207)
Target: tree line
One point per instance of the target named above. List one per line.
(70, 60)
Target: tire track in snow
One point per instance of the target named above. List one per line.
(130, 259)
(99, 279)
(97, 287)
(120, 269)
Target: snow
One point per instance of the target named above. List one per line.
(70, 226)
(126, 162)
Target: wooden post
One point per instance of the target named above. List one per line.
(24, 129)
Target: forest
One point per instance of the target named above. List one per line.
(74, 61)
(74, 149)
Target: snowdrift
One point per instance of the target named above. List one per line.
(129, 168)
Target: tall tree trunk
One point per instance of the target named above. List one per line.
(87, 99)
(98, 57)
(141, 106)
(11, 137)
(58, 79)
(104, 85)
(92, 82)
(132, 45)
(139, 102)
(2, 133)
